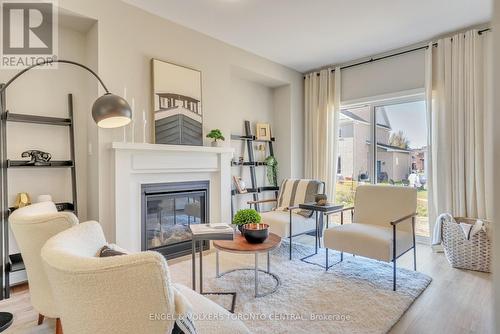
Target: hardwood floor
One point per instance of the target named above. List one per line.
(457, 301)
(25, 317)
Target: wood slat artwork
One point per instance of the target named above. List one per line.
(178, 130)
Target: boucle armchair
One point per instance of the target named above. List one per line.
(32, 226)
(130, 293)
(383, 225)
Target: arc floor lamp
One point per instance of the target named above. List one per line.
(108, 111)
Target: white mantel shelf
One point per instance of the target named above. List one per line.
(136, 164)
(162, 147)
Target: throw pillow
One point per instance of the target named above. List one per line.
(184, 323)
(107, 251)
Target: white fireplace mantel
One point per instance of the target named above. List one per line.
(172, 148)
(138, 164)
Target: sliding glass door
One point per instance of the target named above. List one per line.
(384, 142)
(355, 152)
(401, 153)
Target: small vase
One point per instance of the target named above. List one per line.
(320, 199)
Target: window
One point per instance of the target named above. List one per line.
(354, 149)
(399, 130)
(402, 145)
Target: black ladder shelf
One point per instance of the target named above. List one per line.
(14, 262)
(255, 190)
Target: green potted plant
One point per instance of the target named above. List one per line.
(272, 170)
(246, 216)
(215, 134)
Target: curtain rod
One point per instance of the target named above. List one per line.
(371, 60)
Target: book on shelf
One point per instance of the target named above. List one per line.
(213, 231)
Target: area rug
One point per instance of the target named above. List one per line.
(354, 296)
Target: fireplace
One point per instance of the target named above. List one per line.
(167, 211)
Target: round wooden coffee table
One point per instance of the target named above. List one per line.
(241, 246)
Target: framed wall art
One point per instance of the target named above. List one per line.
(240, 185)
(177, 104)
(263, 131)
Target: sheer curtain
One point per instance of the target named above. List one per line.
(322, 108)
(458, 85)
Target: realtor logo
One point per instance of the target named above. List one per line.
(29, 32)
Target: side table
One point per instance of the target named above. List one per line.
(198, 238)
(324, 210)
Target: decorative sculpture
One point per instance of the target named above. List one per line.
(22, 199)
(321, 199)
(38, 158)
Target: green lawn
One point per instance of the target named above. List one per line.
(422, 202)
(345, 192)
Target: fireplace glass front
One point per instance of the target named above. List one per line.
(168, 210)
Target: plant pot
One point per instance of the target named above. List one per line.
(215, 144)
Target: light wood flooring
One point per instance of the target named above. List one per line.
(456, 301)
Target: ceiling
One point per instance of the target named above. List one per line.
(307, 34)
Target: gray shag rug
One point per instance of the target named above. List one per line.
(354, 296)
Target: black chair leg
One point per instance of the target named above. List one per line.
(394, 257)
(414, 244)
(394, 276)
(290, 232)
(414, 258)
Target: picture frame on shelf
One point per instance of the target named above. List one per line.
(263, 131)
(240, 185)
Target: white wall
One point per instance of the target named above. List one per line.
(44, 92)
(255, 102)
(125, 51)
(394, 74)
(92, 133)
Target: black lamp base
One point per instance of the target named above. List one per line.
(5, 320)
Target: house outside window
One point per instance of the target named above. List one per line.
(398, 156)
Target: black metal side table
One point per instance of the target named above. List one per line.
(6, 319)
(324, 210)
(198, 238)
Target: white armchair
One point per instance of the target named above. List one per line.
(129, 293)
(286, 219)
(32, 226)
(383, 226)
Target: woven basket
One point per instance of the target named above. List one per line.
(473, 254)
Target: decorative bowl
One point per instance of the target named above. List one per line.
(256, 233)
